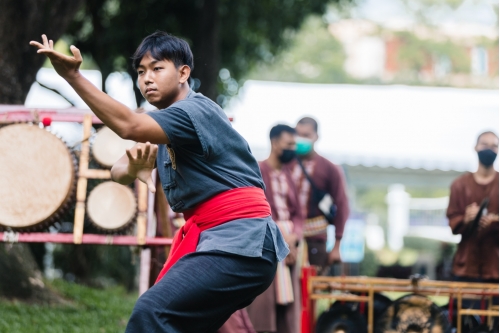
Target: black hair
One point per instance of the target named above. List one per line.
(484, 133)
(309, 121)
(162, 46)
(277, 130)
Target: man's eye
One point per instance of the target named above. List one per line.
(140, 72)
(157, 68)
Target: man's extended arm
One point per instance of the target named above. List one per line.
(118, 117)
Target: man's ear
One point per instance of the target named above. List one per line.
(316, 137)
(184, 73)
(274, 143)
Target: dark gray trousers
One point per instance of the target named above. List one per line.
(201, 291)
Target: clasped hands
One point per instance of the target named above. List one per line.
(471, 212)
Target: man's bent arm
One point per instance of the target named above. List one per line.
(127, 124)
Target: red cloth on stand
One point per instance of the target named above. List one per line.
(235, 204)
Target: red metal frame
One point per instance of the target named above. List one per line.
(18, 113)
(45, 237)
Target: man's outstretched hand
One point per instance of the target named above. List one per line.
(142, 164)
(65, 66)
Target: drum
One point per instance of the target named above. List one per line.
(413, 314)
(37, 177)
(341, 319)
(111, 206)
(108, 147)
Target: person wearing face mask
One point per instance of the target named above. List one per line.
(278, 308)
(315, 174)
(473, 213)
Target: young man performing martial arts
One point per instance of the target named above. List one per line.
(227, 252)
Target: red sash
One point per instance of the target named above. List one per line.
(239, 203)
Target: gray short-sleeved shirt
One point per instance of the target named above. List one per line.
(210, 157)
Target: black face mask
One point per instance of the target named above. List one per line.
(287, 156)
(487, 157)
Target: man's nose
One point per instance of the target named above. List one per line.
(148, 77)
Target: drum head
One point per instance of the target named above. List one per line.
(37, 176)
(108, 147)
(111, 206)
(413, 314)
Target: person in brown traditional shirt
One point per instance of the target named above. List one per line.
(326, 177)
(476, 259)
(278, 308)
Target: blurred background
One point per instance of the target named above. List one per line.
(401, 90)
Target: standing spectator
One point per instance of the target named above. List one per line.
(316, 177)
(278, 308)
(476, 259)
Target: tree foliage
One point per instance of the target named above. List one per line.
(223, 34)
(314, 56)
(20, 22)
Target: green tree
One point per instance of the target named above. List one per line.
(314, 56)
(223, 34)
(20, 22)
(234, 35)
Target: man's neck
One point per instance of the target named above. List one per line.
(484, 175)
(274, 162)
(182, 94)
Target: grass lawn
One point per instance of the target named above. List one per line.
(88, 310)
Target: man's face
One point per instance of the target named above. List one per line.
(160, 81)
(487, 141)
(306, 131)
(284, 141)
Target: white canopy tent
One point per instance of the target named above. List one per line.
(384, 126)
(397, 126)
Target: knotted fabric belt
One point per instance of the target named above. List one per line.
(315, 226)
(239, 203)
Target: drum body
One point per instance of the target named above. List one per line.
(37, 177)
(111, 206)
(341, 319)
(413, 314)
(108, 147)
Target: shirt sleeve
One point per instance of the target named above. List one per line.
(338, 190)
(297, 215)
(179, 129)
(456, 208)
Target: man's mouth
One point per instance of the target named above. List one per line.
(150, 90)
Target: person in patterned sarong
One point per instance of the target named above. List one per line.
(328, 178)
(278, 308)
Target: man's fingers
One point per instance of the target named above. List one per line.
(139, 152)
(76, 53)
(51, 44)
(147, 150)
(129, 155)
(45, 41)
(154, 152)
(37, 44)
